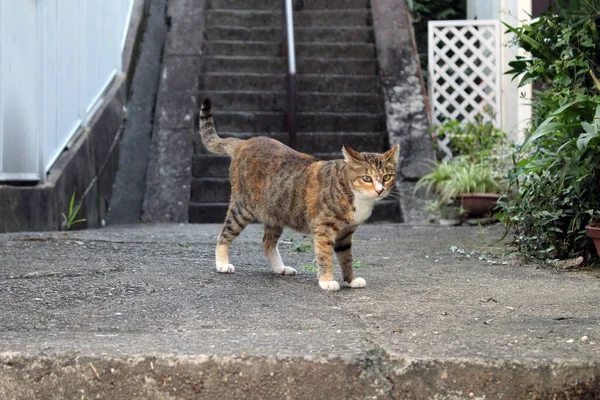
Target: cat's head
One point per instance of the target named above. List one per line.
(372, 174)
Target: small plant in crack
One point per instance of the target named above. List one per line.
(70, 219)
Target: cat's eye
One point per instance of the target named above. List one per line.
(367, 178)
(387, 177)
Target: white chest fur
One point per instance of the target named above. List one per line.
(364, 207)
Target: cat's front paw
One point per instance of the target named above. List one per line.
(358, 283)
(330, 285)
(287, 271)
(225, 268)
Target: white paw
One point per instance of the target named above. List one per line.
(225, 268)
(288, 271)
(358, 283)
(329, 285)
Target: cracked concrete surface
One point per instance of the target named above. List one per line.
(144, 306)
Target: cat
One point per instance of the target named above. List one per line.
(281, 187)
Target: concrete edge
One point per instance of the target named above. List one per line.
(130, 183)
(169, 174)
(370, 375)
(131, 50)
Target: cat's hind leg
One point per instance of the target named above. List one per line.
(343, 251)
(238, 217)
(270, 239)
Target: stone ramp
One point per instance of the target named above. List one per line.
(139, 313)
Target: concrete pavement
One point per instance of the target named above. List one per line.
(138, 312)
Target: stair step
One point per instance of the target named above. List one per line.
(358, 33)
(341, 66)
(342, 17)
(266, 121)
(210, 190)
(277, 82)
(297, 5)
(274, 49)
(235, 100)
(314, 143)
(210, 165)
(207, 213)
(340, 34)
(244, 64)
(387, 210)
(360, 66)
(226, 32)
(336, 50)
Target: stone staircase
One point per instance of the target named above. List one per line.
(244, 74)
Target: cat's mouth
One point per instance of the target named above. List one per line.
(376, 196)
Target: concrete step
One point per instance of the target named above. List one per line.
(210, 165)
(297, 4)
(341, 66)
(226, 32)
(263, 121)
(207, 213)
(387, 210)
(250, 18)
(339, 34)
(235, 100)
(277, 82)
(210, 190)
(351, 66)
(274, 49)
(244, 64)
(358, 33)
(318, 144)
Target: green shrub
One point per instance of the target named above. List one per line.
(557, 170)
(479, 141)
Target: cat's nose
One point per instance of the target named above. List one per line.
(379, 188)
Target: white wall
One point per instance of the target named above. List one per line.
(516, 112)
(56, 59)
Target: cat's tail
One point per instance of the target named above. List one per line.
(211, 141)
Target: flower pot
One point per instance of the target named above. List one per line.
(593, 231)
(477, 205)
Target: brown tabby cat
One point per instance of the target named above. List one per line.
(281, 188)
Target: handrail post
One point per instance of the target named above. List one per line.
(291, 75)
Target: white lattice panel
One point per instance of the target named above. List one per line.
(464, 71)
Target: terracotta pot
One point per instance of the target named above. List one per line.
(593, 231)
(477, 205)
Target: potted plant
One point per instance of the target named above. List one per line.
(593, 232)
(472, 187)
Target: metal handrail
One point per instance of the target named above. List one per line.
(290, 52)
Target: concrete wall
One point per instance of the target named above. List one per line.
(405, 100)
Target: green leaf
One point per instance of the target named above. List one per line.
(72, 203)
(591, 132)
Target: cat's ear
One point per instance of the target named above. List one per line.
(393, 154)
(351, 155)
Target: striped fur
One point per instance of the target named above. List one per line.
(281, 187)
